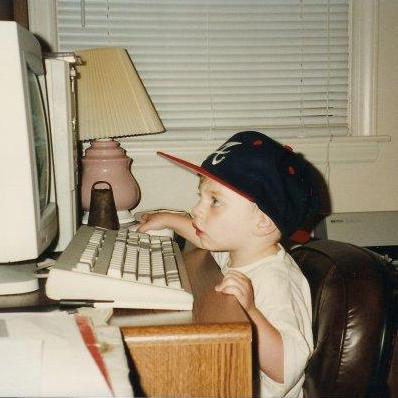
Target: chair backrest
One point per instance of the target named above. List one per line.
(353, 320)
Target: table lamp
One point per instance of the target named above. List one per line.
(111, 102)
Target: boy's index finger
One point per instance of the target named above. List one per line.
(237, 274)
(233, 279)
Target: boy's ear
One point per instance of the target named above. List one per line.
(265, 225)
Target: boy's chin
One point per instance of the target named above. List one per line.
(206, 245)
(212, 247)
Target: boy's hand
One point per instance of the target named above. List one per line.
(153, 221)
(240, 286)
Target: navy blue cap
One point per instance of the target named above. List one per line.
(281, 182)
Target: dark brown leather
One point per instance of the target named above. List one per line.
(353, 320)
(393, 373)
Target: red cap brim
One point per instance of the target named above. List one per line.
(200, 170)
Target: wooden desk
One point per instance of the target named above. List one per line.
(206, 352)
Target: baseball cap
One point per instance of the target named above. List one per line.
(281, 182)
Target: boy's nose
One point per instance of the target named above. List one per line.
(196, 210)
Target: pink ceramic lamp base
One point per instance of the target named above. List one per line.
(104, 160)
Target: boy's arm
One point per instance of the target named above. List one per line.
(269, 340)
(269, 346)
(180, 223)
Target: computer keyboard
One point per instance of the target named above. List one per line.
(124, 269)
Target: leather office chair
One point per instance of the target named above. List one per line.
(353, 320)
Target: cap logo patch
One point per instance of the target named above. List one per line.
(220, 154)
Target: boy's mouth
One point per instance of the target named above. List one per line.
(197, 230)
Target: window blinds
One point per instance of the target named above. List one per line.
(278, 66)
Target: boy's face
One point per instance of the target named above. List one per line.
(223, 219)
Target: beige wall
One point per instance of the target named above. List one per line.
(363, 179)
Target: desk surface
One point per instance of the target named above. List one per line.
(203, 352)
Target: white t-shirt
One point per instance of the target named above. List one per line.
(282, 294)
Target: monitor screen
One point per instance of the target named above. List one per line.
(41, 139)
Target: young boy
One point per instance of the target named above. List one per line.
(252, 192)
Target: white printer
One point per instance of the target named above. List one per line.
(376, 230)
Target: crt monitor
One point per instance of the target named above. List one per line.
(28, 218)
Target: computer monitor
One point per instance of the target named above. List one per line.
(28, 218)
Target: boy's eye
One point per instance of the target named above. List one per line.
(214, 202)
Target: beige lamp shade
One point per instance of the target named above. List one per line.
(112, 100)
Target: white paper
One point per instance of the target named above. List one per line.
(20, 366)
(115, 360)
(66, 366)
